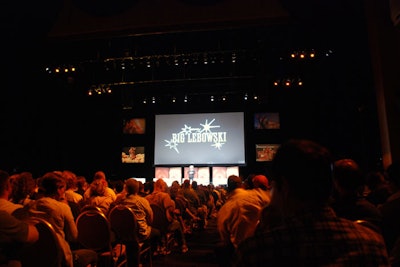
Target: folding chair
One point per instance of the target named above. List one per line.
(94, 232)
(160, 221)
(44, 252)
(124, 224)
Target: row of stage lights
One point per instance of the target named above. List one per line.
(104, 89)
(189, 98)
(220, 57)
(100, 89)
(125, 63)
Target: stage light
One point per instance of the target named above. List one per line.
(234, 58)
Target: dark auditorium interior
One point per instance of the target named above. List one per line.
(329, 68)
(74, 70)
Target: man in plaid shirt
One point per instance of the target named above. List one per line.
(300, 228)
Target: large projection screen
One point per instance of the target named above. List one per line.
(199, 139)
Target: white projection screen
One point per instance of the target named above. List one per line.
(199, 139)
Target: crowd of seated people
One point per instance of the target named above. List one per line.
(312, 210)
(60, 196)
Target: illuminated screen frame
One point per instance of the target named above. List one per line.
(266, 152)
(199, 139)
(139, 154)
(134, 125)
(266, 120)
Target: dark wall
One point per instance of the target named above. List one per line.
(49, 122)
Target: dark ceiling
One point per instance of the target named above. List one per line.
(45, 112)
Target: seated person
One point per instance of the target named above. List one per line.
(309, 232)
(51, 207)
(144, 214)
(14, 233)
(99, 194)
(162, 199)
(349, 201)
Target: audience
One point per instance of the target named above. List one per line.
(349, 201)
(162, 199)
(310, 233)
(99, 194)
(54, 209)
(6, 190)
(307, 215)
(236, 219)
(81, 184)
(391, 212)
(379, 188)
(74, 199)
(142, 210)
(24, 187)
(260, 190)
(14, 234)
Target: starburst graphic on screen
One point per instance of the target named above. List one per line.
(207, 126)
(172, 145)
(203, 134)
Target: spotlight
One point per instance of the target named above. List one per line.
(233, 57)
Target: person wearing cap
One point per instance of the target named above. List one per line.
(260, 192)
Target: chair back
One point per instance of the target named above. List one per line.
(123, 223)
(90, 207)
(94, 231)
(160, 220)
(44, 252)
